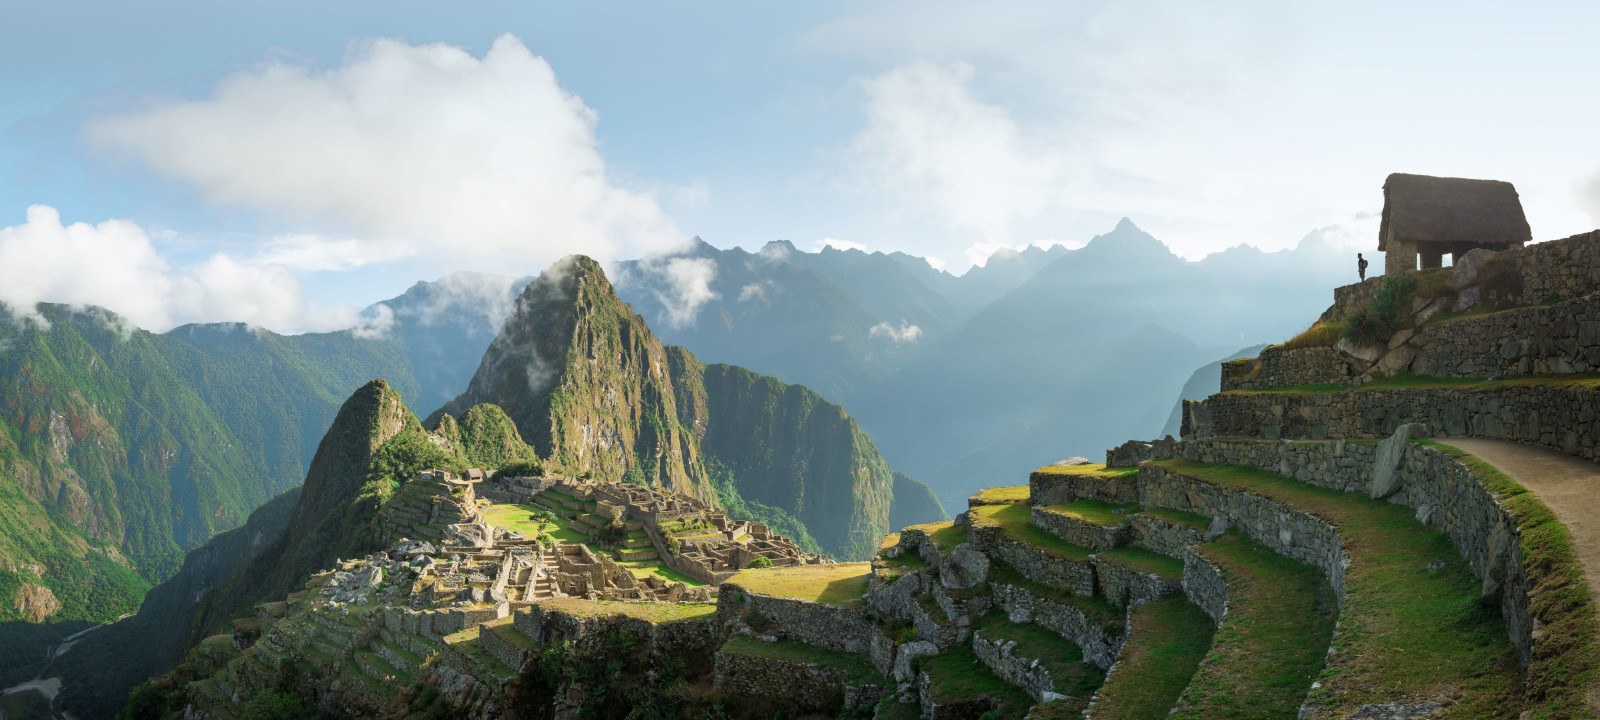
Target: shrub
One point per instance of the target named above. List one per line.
(275, 705)
(1320, 334)
(1387, 313)
(1366, 327)
(526, 468)
(761, 562)
(612, 533)
(673, 545)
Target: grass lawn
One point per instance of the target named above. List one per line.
(653, 612)
(955, 675)
(840, 585)
(858, 667)
(1407, 633)
(947, 535)
(1179, 517)
(1002, 494)
(1096, 469)
(888, 541)
(1095, 512)
(1096, 608)
(1145, 561)
(518, 517)
(1014, 523)
(1166, 641)
(1272, 643)
(644, 569)
(1071, 675)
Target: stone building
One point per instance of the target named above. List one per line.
(1426, 218)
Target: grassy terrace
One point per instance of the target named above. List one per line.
(653, 612)
(1567, 663)
(1095, 469)
(1179, 517)
(1166, 641)
(1390, 646)
(647, 568)
(1145, 561)
(1002, 494)
(1099, 610)
(519, 517)
(1272, 643)
(1411, 381)
(1064, 660)
(1014, 523)
(1094, 512)
(947, 535)
(858, 667)
(955, 675)
(840, 585)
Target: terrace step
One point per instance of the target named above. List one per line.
(1094, 524)
(1034, 659)
(1166, 640)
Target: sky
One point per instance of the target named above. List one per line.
(286, 164)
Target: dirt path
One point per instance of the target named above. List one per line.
(1568, 485)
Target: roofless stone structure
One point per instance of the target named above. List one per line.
(1427, 218)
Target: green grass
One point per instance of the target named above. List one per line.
(653, 612)
(660, 571)
(1405, 631)
(1179, 517)
(840, 585)
(1412, 381)
(1144, 561)
(1095, 469)
(1095, 512)
(946, 535)
(518, 517)
(1071, 675)
(1002, 494)
(1566, 664)
(955, 675)
(1166, 641)
(1271, 645)
(1015, 523)
(1096, 608)
(858, 667)
(909, 561)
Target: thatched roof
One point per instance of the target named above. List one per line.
(1419, 208)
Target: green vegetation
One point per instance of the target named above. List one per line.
(1099, 610)
(1411, 381)
(1272, 642)
(738, 508)
(955, 676)
(946, 535)
(532, 520)
(1387, 313)
(1178, 517)
(1095, 469)
(1566, 664)
(1320, 334)
(1015, 523)
(858, 667)
(1002, 494)
(1166, 641)
(1144, 561)
(1064, 660)
(1390, 639)
(841, 585)
(277, 705)
(1094, 512)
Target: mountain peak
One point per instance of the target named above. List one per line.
(1126, 225)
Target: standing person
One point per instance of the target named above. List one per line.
(1361, 266)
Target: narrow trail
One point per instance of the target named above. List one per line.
(1569, 486)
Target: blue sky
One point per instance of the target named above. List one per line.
(285, 163)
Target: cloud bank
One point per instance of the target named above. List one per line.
(114, 265)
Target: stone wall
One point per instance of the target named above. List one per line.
(823, 626)
(1560, 338)
(1099, 644)
(1078, 532)
(1563, 419)
(1050, 488)
(545, 624)
(1288, 532)
(1033, 563)
(1125, 586)
(1279, 367)
(805, 686)
(1350, 298)
(1157, 535)
(1024, 672)
(1203, 585)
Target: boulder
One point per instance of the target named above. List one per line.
(1363, 352)
(1429, 310)
(1400, 338)
(1468, 299)
(1396, 361)
(964, 568)
(1070, 462)
(1464, 273)
(908, 652)
(1391, 452)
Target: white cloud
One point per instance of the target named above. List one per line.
(114, 265)
(838, 244)
(412, 150)
(906, 333)
(753, 291)
(681, 284)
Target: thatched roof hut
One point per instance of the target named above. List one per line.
(1432, 216)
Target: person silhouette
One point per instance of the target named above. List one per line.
(1361, 266)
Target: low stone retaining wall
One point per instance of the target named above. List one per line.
(1048, 488)
(1125, 586)
(805, 686)
(1078, 532)
(546, 625)
(823, 626)
(1288, 532)
(1558, 418)
(1561, 338)
(1157, 535)
(1203, 585)
(1033, 563)
(1100, 646)
(1026, 673)
(1279, 367)
(894, 599)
